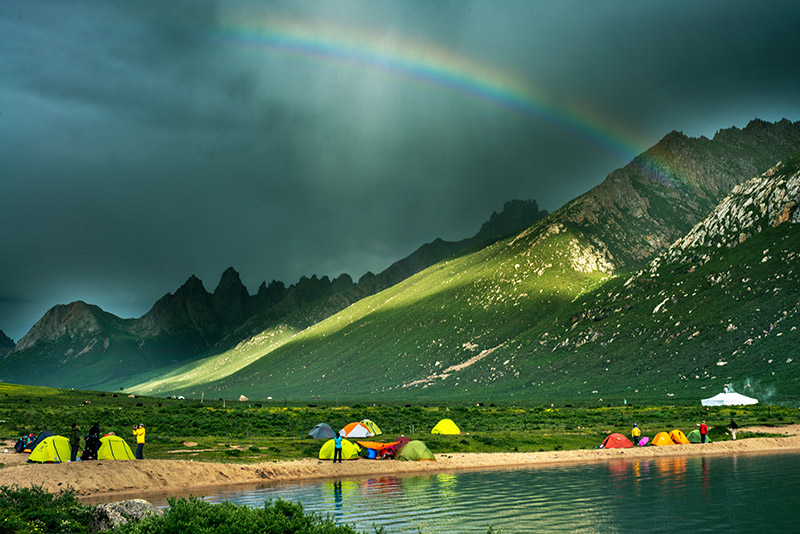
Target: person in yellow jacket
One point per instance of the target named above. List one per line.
(138, 431)
(636, 434)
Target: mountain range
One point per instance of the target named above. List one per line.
(672, 278)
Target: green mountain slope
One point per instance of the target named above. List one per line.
(536, 316)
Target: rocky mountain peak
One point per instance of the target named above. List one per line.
(6, 344)
(74, 320)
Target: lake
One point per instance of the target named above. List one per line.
(752, 493)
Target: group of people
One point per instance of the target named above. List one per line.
(92, 442)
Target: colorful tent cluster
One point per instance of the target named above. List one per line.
(675, 437)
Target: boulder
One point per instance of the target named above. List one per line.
(109, 516)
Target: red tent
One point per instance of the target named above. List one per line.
(616, 441)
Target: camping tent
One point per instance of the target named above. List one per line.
(694, 437)
(372, 427)
(678, 437)
(446, 426)
(662, 438)
(728, 399)
(616, 441)
(355, 430)
(349, 450)
(114, 448)
(322, 431)
(52, 449)
(416, 450)
(377, 448)
(44, 434)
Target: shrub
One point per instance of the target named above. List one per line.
(194, 515)
(35, 510)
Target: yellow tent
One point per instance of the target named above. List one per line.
(679, 437)
(349, 450)
(54, 449)
(662, 438)
(446, 426)
(372, 427)
(114, 448)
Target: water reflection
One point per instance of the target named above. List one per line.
(700, 494)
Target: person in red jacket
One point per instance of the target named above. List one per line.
(703, 432)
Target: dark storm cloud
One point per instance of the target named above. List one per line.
(141, 142)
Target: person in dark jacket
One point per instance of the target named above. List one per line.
(734, 427)
(74, 441)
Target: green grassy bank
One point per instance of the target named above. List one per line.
(254, 431)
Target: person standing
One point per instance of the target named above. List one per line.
(636, 434)
(703, 432)
(138, 431)
(734, 427)
(74, 442)
(337, 449)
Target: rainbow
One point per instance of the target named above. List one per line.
(432, 66)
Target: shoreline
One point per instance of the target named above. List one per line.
(103, 481)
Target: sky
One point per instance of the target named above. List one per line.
(143, 142)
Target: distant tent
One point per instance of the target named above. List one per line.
(322, 431)
(446, 426)
(616, 441)
(416, 451)
(678, 437)
(728, 399)
(114, 448)
(661, 439)
(355, 430)
(376, 431)
(44, 434)
(52, 449)
(694, 437)
(349, 450)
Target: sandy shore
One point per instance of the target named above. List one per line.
(142, 477)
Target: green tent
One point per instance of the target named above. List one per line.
(54, 449)
(114, 448)
(694, 437)
(416, 451)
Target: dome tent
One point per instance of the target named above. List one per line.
(446, 426)
(616, 441)
(322, 431)
(114, 448)
(372, 427)
(662, 439)
(355, 430)
(52, 449)
(416, 451)
(349, 450)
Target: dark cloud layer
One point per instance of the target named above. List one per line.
(143, 142)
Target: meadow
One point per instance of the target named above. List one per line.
(262, 431)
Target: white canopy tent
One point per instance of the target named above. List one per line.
(728, 399)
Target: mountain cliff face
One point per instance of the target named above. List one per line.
(182, 325)
(641, 209)
(6, 344)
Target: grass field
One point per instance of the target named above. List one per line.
(258, 431)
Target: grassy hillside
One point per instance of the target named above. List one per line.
(540, 317)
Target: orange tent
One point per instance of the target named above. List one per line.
(679, 437)
(616, 441)
(662, 438)
(355, 430)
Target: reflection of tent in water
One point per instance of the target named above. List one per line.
(662, 439)
(694, 437)
(349, 450)
(446, 426)
(616, 441)
(728, 398)
(678, 437)
(53, 449)
(114, 448)
(322, 431)
(416, 451)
